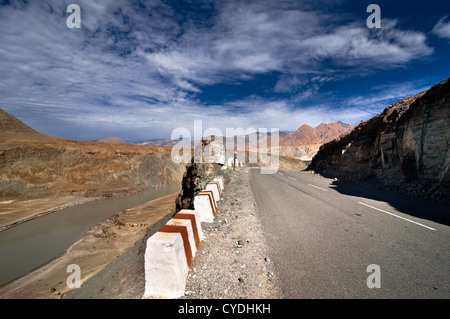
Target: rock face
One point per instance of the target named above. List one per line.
(195, 178)
(209, 157)
(406, 147)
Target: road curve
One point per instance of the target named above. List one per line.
(324, 234)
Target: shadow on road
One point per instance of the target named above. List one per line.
(420, 208)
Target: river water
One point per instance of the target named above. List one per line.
(31, 244)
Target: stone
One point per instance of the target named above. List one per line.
(195, 220)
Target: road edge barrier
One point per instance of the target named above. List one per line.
(170, 251)
(206, 205)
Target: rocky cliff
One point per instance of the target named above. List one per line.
(406, 147)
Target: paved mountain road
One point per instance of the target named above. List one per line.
(323, 234)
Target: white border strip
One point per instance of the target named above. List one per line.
(409, 220)
(318, 187)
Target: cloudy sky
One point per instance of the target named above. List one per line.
(140, 69)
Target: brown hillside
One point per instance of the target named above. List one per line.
(323, 133)
(113, 140)
(36, 167)
(306, 141)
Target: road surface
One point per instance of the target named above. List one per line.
(324, 234)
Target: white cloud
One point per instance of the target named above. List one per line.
(442, 29)
(248, 39)
(139, 67)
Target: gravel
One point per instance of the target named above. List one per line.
(233, 260)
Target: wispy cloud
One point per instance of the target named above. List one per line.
(139, 66)
(442, 29)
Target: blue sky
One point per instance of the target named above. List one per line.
(140, 69)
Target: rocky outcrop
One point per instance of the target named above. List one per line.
(198, 174)
(207, 161)
(195, 178)
(406, 147)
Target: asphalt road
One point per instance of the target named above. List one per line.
(324, 234)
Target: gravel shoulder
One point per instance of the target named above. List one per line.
(233, 261)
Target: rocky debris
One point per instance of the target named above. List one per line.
(233, 261)
(404, 148)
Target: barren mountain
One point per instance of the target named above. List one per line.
(113, 140)
(305, 142)
(12, 128)
(320, 134)
(35, 168)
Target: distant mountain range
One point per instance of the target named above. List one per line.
(113, 140)
(170, 142)
(306, 141)
(322, 133)
(302, 144)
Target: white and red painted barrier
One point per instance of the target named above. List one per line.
(206, 206)
(171, 250)
(194, 217)
(220, 180)
(165, 265)
(216, 189)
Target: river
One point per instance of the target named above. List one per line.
(33, 243)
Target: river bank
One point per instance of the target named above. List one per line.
(15, 212)
(101, 245)
(232, 262)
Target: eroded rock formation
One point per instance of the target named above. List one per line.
(406, 147)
